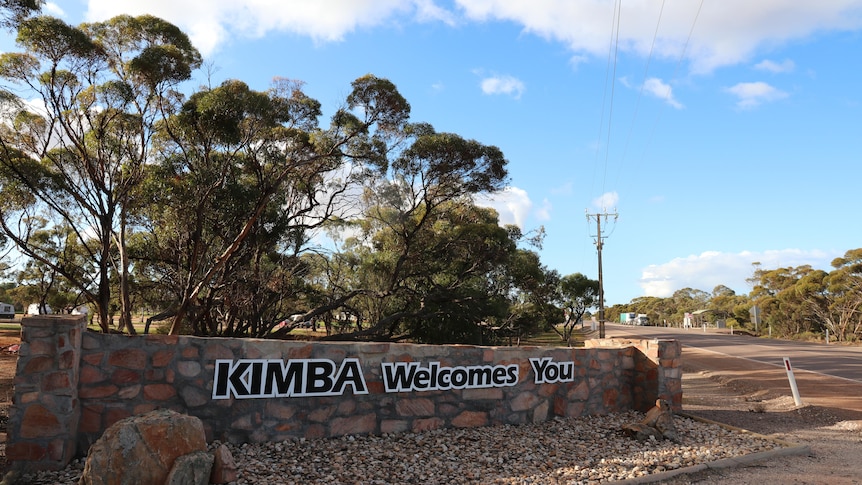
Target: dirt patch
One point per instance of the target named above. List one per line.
(8, 362)
(8, 365)
(758, 398)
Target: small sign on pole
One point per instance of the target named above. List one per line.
(796, 399)
(755, 316)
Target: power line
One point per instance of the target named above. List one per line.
(616, 47)
(641, 90)
(610, 74)
(676, 71)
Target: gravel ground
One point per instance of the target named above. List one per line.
(584, 450)
(561, 451)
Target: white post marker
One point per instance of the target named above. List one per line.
(793, 388)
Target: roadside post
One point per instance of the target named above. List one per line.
(796, 399)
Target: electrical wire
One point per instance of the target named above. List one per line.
(675, 73)
(616, 47)
(608, 106)
(641, 91)
(611, 61)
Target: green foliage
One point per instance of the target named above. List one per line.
(12, 12)
(576, 293)
(54, 40)
(77, 163)
(795, 302)
(124, 192)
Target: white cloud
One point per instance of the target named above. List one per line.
(606, 201)
(52, 9)
(775, 67)
(707, 270)
(428, 11)
(660, 90)
(507, 85)
(721, 33)
(750, 95)
(543, 213)
(35, 105)
(512, 204)
(210, 23)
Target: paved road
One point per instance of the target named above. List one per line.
(759, 363)
(830, 360)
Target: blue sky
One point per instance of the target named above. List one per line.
(721, 133)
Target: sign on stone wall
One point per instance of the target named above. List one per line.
(273, 378)
(261, 378)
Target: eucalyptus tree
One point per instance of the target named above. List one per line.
(835, 298)
(777, 293)
(578, 293)
(244, 178)
(74, 143)
(532, 290)
(727, 304)
(423, 252)
(39, 282)
(13, 12)
(426, 278)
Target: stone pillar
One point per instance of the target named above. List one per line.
(670, 373)
(659, 373)
(657, 370)
(43, 419)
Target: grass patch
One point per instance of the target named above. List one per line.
(551, 339)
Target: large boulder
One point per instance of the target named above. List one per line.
(141, 450)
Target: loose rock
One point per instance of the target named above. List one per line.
(559, 451)
(191, 469)
(224, 467)
(657, 424)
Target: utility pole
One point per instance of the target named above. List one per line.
(599, 243)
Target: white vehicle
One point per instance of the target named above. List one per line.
(631, 318)
(628, 318)
(7, 311)
(34, 309)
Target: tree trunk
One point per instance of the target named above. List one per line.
(125, 292)
(104, 303)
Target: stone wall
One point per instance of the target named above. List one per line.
(45, 412)
(73, 384)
